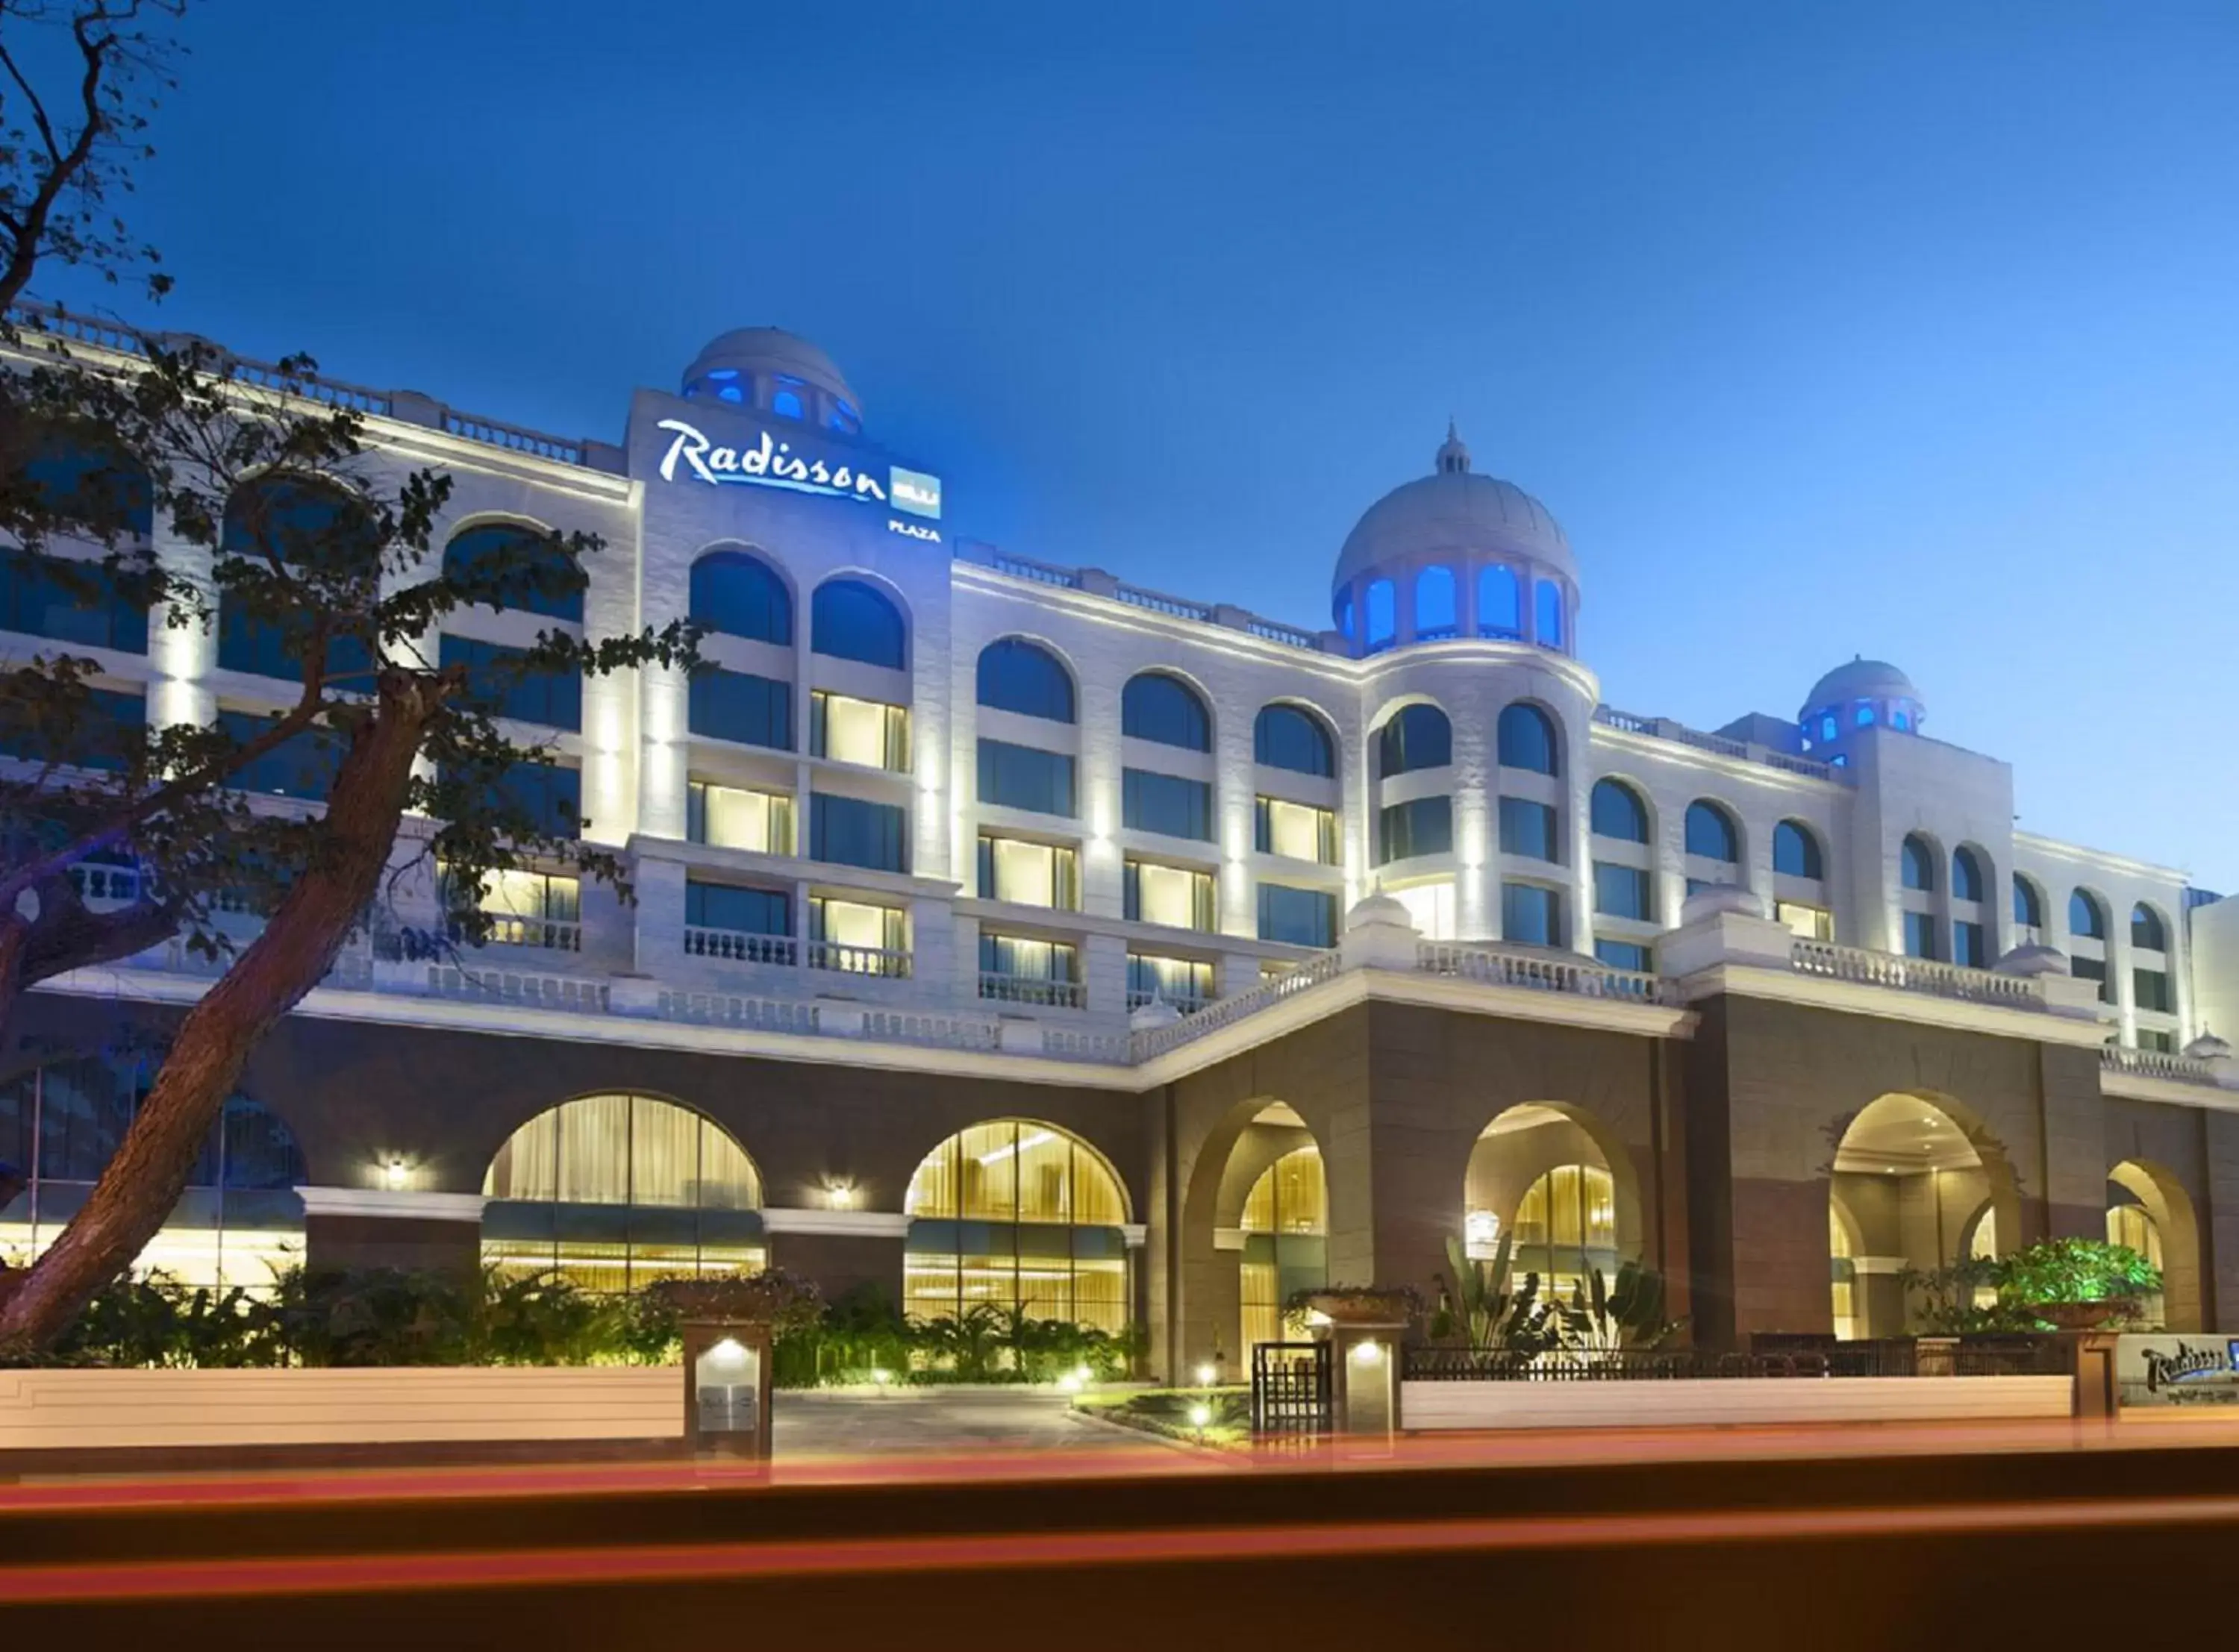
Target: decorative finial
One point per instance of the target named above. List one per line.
(1452, 457)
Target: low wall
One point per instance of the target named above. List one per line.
(91, 1411)
(1729, 1400)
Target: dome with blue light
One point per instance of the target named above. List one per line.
(1860, 694)
(771, 370)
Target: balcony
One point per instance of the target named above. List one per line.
(1026, 989)
(884, 962)
(1914, 975)
(529, 934)
(739, 946)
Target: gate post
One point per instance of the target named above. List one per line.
(1365, 1363)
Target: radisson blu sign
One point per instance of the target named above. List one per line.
(769, 463)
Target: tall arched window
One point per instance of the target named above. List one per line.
(1383, 607)
(616, 1191)
(1711, 833)
(1016, 675)
(1341, 611)
(1417, 737)
(1155, 707)
(1549, 616)
(92, 494)
(2148, 933)
(2029, 904)
(1021, 1215)
(538, 577)
(239, 1221)
(300, 524)
(1438, 611)
(740, 596)
(1618, 812)
(1917, 863)
(1286, 736)
(1526, 739)
(2086, 916)
(1566, 1228)
(1969, 880)
(1795, 851)
(1499, 602)
(1286, 1218)
(855, 620)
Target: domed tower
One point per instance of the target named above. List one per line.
(1865, 694)
(1456, 554)
(769, 370)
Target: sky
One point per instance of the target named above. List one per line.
(1908, 330)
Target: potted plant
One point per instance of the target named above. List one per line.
(2077, 1284)
(1360, 1304)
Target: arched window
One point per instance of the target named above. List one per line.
(1437, 608)
(2029, 904)
(301, 524)
(1286, 1218)
(239, 1221)
(1021, 1215)
(1795, 851)
(1286, 737)
(1917, 863)
(785, 400)
(1417, 737)
(93, 496)
(843, 419)
(1342, 612)
(1016, 675)
(1526, 739)
(1499, 602)
(93, 488)
(1711, 833)
(538, 577)
(855, 620)
(1155, 707)
(2086, 917)
(1549, 616)
(742, 595)
(1383, 615)
(2148, 933)
(1865, 716)
(1566, 1228)
(1969, 880)
(1617, 812)
(616, 1191)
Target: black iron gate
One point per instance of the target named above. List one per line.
(1291, 1393)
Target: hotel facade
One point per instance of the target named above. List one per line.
(1007, 933)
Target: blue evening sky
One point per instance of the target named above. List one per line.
(1903, 329)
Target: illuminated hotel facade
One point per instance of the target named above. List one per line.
(1005, 933)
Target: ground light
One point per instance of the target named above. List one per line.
(1201, 1416)
(880, 1378)
(1207, 1375)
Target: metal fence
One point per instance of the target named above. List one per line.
(1769, 1357)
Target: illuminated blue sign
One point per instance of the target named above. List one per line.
(769, 463)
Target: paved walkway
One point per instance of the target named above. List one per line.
(939, 1421)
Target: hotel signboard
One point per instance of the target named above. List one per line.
(2161, 1369)
(769, 461)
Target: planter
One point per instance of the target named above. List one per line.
(2085, 1316)
(1362, 1307)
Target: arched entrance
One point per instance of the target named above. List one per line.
(1540, 1175)
(1254, 1229)
(2148, 1210)
(1285, 1228)
(1913, 1188)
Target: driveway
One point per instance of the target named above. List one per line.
(942, 1422)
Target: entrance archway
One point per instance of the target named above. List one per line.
(2148, 1210)
(1913, 1188)
(1541, 1176)
(1285, 1227)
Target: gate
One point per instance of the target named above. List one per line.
(1291, 1392)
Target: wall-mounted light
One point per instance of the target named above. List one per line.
(396, 1175)
(839, 1192)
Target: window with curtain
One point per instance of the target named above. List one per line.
(1180, 897)
(868, 732)
(739, 595)
(1016, 675)
(1296, 831)
(1285, 1222)
(1029, 874)
(852, 832)
(725, 817)
(1565, 1228)
(526, 907)
(1186, 983)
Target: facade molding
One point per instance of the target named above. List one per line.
(393, 1204)
(848, 1224)
(1855, 997)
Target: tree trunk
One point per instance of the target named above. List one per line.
(141, 1183)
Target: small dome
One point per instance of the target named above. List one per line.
(754, 352)
(1862, 678)
(1453, 509)
(1378, 908)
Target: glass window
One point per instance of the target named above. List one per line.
(1618, 812)
(1020, 777)
(1968, 879)
(1530, 915)
(526, 907)
(843, 419)
(1437, 614)
(1016, 675)
(537, 576)
(725, 817)
(1284, 1218)
(1527, 828)
(1811, 923)
(858, 938)
(867, 732)
(110, 730)
(1970, 946)
(736, 705)
(1916, 866)
(1155, 707)
(82, 607)
(1383, 615)
(1426, 827)
(752, 912)
(1300, 917)
(1186, 983)
(2147, 931)
(617, 1190)
(301, 523)
(740, 595)
(1297, 830)
(1795, 851)
(1625, 955)
(786, 399)
(855, 620)
(1527, 740)
(1028, 970)
(1623, 892)
(495, 675)
(2029, 904)
(1180, 897)
(1920, 935)
(1865, 716)
(1286, 737)
(82, 479)
(1029, 874)
(1166, 804)
(1023, 1217)
(2093, 969)
(1711, 833)
(1549, 616)
(1566, 1228)
(850, 831)
(1431, 907)
(1417, 737)
(303, 766)
(1342, 613)
(2149, 989)
(1499, 602)
(2086, 917)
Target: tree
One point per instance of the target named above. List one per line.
(285, 541)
